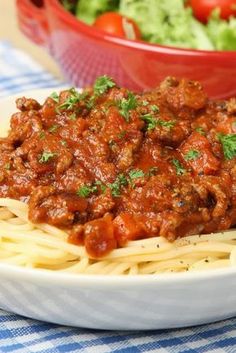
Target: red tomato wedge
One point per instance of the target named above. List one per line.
(203, 8)
(114, 23)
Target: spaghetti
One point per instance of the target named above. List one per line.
(46, 247)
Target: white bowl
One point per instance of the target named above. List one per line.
(115, 302)
(119, 303)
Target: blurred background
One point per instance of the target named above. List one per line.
(9, 31)
(138, 45)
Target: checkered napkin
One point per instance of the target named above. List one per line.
(18, 72)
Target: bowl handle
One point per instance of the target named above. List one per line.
(33, 21)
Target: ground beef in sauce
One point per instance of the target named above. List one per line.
(109, 165)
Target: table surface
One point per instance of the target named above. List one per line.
(9, 31)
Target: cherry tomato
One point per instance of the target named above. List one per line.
(203, 8)
(117, 24)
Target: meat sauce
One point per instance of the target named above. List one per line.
(111, 166)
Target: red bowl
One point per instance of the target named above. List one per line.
(84, 53)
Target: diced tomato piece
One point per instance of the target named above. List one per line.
(99, 237)
(196, 151)
(126, 228)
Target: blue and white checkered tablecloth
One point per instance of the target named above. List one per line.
(19, 72)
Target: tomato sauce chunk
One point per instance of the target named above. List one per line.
(196, 151)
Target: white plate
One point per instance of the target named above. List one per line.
(123, 303)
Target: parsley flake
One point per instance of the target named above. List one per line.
(200, 130)
(179, 168)
(111, 143)
(101, 185)
(86, 190)
(228, 144)
(152, 122)
(7, 166)
(145, 103)
(90, 102)
(191, 155)
(127, 104)
(154, 108)
(46, 156)
(42, 135)
(122, 134)
(55, 97)
(53, 128)
(102, 84)
(117, 185)
(74, 98)
(73, 117)
(136, 173)
(168, 124)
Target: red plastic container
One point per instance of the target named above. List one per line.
(84, 53)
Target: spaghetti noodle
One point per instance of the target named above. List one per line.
(46, 247)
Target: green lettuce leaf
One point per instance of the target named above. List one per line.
(222, 33)
(167, 23)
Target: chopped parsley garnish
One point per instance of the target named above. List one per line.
(63, 143)
(46, 156)
(122, 180)
(127, 104)
(152, 171)
(200, 130)
(169, 124)
(179, 168)
(111, 143)
(191, 155)
(101, 185)
(122, 134)
(115, 187)
(72, 116)
(86, 190)
(73, 98)
(7, 166)
(228, 144)
(152, 122)
(55, 97)
(53, 128)
(154, 108)
(136, 173)
(102, 84)
(90, 102)
(145, 103)
(42, 135)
